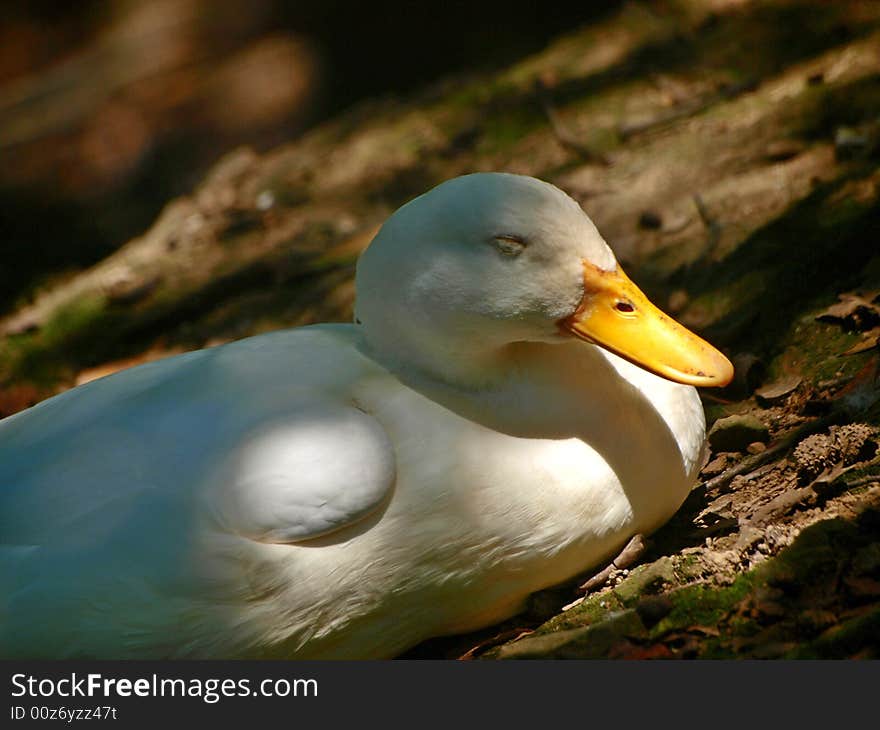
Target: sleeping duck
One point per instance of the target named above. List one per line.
(506, 411)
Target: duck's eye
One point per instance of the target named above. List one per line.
(508, 244)
(624, 306)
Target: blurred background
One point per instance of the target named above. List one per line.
(109, 109)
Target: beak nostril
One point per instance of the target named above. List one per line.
(618, 317)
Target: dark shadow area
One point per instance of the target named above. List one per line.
(805, 257)
(40, 236)
(784, 35)
(394, 47)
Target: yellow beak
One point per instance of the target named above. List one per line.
(616, 315)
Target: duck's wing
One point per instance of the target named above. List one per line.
(117, 498)
(322, 468)
(264, 433)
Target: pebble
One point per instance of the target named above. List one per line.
(265, 200)
(736, 433)
(852, 143)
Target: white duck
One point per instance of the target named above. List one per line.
(350, 490)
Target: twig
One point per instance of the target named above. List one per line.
(688, 108)
(861, 481)
(492, 642)
(631, 552)
(783, 445)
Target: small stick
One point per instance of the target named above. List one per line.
(687, 108)
(627, 557)
(784, 444)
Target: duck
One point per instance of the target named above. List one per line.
(506, 411)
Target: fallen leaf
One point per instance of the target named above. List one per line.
(862, 392)
(705, 630)
(869, 341)
(629, 650)
(778, 390)
(856, 312)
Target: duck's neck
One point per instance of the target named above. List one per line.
(649, 430)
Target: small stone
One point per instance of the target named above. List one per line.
(852, 143)
(735, 433)
(645, 580)
(716, 466)
(756, 447)
(265, 200)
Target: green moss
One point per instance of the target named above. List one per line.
(688, 568)
(804, 577)
(730, 298)
(502, 131)
(595, 641)
(644, 580)
(703, 605)
(814, 556)
(859, 636)
(68, 321)
(815, 350)
(592, 609)
(44, 357)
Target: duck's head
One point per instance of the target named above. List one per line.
(486, 260)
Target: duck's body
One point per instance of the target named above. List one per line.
(311, 493)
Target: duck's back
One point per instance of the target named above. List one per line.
(100, 486)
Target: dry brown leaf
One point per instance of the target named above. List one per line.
(863, 391)
(705, 630)
(856, 312)
(869, 341)
(629, 650)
